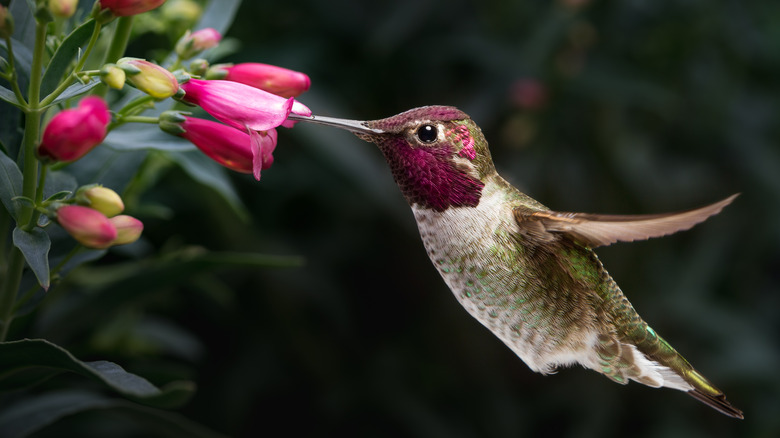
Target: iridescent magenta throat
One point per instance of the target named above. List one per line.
(429, 176)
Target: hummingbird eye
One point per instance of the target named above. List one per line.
(427, 133)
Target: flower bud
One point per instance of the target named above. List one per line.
(270, 78)
(89, 227)
(6, 23)
(128, 229)
(113, 76)
(122, 8)
(101, 199)
(63, 8)
(191, 44)
(150, 78)
(71, 133)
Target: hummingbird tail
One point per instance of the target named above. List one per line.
(711, 396)
(717, 402)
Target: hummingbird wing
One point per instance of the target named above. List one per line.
(595, 230)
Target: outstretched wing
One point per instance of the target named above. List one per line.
(595, 230)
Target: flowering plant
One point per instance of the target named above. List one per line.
(79, 146)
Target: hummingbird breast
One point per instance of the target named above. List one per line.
(480, 256)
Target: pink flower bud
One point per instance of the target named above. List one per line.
(73, 132)
(270, 78)
(122, 8)
(150, 78)
(63, 8)
(128, 229)
(241, 106)
(193, 43)
(101, 199)
(89, 227)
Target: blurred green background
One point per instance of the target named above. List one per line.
(605, 107)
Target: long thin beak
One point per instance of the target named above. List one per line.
(355, 126)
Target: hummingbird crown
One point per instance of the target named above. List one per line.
(437, 154)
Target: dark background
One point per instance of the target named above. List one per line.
(605, 107)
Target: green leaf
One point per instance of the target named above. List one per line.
(219, 15)
(65, 53)
(31, 361)
(10, 183)
(35, 245)
(8, 96)
(207, 172)
(75, 90)
(145, 137)
(32, 414)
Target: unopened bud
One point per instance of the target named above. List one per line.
(191, 44)
(89, 227)
(6, 23)
(113, 76)
(101, 199)
(128, 229)
(63, 8)
(150, 78)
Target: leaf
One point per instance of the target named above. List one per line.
(75, 90)
(32, 414)
(145, 137)
(35, 245)
(8, 96)
(65, 53)
(10, 183)
(31, 361)
(24, 23)
(219, 15)
(207, 172)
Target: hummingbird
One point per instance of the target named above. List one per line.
(527, 273)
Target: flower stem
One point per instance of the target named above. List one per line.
(32, 123)
(117, 47)
(74, 75)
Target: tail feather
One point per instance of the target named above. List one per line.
(717, 402)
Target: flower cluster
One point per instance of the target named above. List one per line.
(94, 221)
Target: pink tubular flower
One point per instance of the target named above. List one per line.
(241, 106)
(230, 147)
(89, 227)
(122, 8)
(270, 78)
(193, 43)
(73, 132)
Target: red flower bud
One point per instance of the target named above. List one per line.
(73, 132)
(89, 227)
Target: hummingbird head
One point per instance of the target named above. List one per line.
(437, 154)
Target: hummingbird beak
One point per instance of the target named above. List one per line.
(355, 126)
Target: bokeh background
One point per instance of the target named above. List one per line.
(597, 106)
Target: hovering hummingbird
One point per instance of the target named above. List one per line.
(527, 273)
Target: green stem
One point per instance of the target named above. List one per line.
(74, 75)
(117, 47)
(12, 79)
(32, 126)
(39, 195)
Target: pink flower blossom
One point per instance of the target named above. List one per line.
(270, 78)
(241, 106)
(230, 147)
(72, 133)
(89, 227)
(122, 8)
